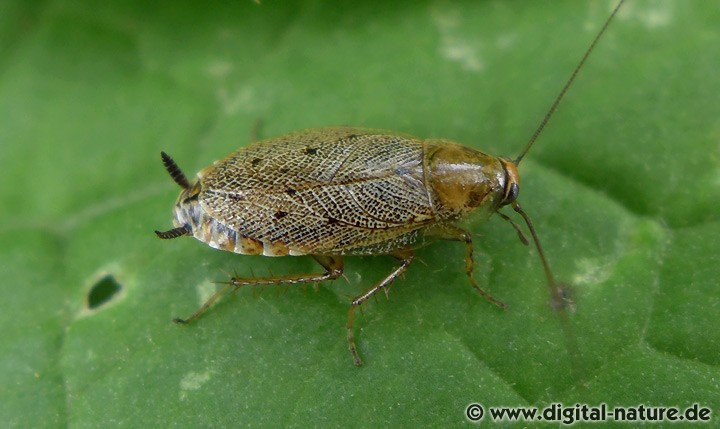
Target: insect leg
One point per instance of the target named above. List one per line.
(456, 234)
(207, 304)
(405, 260)
(521, 236)
(333, 265)
(333, 269)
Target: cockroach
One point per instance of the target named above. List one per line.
(332, 192)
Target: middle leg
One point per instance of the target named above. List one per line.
(405, 259)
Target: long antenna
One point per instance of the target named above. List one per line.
(569, 82)
(559, 299)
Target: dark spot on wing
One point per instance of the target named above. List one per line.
(311, 151)
(280, 214)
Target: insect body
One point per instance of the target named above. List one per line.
(340, 191)
(333, 192)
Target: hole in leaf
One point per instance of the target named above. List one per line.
(103, 291)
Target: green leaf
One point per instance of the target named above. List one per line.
(622, 186)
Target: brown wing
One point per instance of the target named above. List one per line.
(322, 191)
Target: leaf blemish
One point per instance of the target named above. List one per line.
(103, 291)
(592, 271)
(205, 290)
(193, 381)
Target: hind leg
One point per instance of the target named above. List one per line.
(333, 265)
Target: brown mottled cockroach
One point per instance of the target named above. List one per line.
(333, 192)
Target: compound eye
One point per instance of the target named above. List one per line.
(511, 193)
